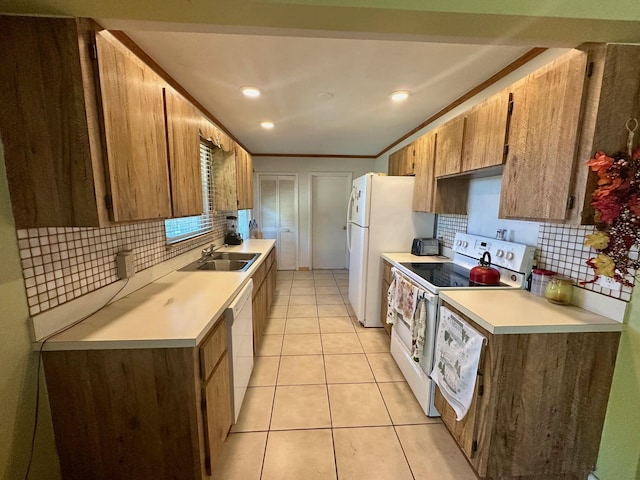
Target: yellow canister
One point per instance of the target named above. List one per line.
(559, 290)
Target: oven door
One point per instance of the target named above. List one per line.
(417, 373)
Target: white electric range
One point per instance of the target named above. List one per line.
(512, 260)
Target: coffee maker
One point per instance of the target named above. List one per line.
(232, 237)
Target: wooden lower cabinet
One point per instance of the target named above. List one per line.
(217, 417)
(538, 406)
(140, 413)
(386, 282)
(264, 286)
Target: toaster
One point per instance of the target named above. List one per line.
(425, 246)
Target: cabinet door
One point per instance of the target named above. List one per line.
(224, 178)
(183, 136)
(219, 415)
(386, 281)
(259, 312)
(394, 163)
(48, 122)
(449, 147)
(244, 178)
(542, 141)
(402, 161)
(133, 112)
(485, 134)
(424, 189)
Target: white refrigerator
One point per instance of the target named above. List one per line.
(379, 219)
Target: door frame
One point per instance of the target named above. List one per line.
(349, 176)
(257, 202)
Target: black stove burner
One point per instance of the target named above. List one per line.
(444, 274)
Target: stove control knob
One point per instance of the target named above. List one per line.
(465, 244)
(510, 255)
(459, 243)
(500, 253)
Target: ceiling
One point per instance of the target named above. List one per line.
(326, 96)
(298, 51)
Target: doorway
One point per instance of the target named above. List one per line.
(329, 195)
(278, 215)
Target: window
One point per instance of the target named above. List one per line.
(179, 229)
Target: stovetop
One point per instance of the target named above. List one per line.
(512, 260)
(445, 275)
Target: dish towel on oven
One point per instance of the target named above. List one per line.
(406, 299)
(457, 354)
(401, 298)
(418, 327)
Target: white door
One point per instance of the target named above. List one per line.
(329, 195)
(278, 216)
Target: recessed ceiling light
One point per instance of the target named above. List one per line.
(399, 95)
(267, 125)
(250, 91)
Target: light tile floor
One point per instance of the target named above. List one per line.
(327, 401)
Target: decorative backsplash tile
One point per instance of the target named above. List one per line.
(560, 249)
(448, 226)
(60, 264)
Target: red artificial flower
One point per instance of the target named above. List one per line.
(608, 208)
(600, 163)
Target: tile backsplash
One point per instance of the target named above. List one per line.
(60, 264)
(448, 226)
(559, 248)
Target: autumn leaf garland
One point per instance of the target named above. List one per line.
(617, 205)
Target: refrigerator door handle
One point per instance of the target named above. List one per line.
(349, 209)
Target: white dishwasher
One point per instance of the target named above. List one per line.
(240, 345)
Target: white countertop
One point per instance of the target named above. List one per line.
(519, 311)
(176, 310)
(409, 258)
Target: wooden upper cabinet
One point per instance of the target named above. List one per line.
(402, 162)
(449, 147)
(611, 97)
(244, 178)
(485, 134)
(542, 140)
(49, 122)
(183, 144)
(423, 192)
(233, 178)
(83, 128)
(135, 135)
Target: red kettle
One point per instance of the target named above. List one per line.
(483, 274)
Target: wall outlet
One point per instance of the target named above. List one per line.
(125, 262)
(609, 283)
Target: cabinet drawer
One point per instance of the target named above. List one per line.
(271, 258)
(213, 348)
(258, 276)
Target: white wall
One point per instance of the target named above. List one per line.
(302, 167)
(484, 201)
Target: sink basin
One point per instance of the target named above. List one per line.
(224, 265)
(223, 262)
(235, 256)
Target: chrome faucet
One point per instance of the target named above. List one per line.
(208, 252)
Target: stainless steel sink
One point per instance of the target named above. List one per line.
(235, 256)
(222, 262)
(224, 265)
